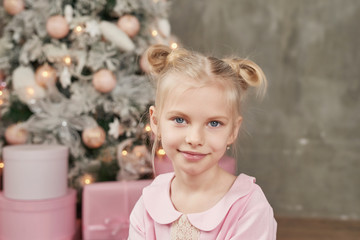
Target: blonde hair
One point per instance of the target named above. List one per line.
(234, 75)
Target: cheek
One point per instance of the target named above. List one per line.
(216, 144)
(170, 137)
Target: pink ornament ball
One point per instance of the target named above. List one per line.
(45, 75)
(93, 137)
(13, 7)
(57, 27)
(144, 64)
(129, 24)
(104, 81)
(15, 134)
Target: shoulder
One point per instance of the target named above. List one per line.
(255, 193)
(254, 216)
(233, 204)
(250, 195)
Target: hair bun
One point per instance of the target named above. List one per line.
(157, 57)
(249, 73)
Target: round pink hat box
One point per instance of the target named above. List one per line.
(50, 219)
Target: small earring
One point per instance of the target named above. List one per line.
(228, 148)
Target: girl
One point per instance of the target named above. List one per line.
(196, 117)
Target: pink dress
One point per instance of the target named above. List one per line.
(243, 213)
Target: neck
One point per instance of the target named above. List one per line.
(197, 193)
(198, 182)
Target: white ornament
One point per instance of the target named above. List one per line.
(23, 77)
(115, 35)
(68, 13)
(115, 129)
(92, 28)
(16, 134)
(164, 27)
(65, 78)
(23, 82)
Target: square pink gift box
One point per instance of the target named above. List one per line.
(107, 207)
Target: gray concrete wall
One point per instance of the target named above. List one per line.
(303, 141)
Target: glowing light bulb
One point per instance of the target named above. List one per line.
(124, 152)
(45, 73)
(147, 128)
(174, 45)
(161, 152)
(154, 33)
(1, 93)
(87, 179)
(78, 29)
(67, 60)
(2, 165)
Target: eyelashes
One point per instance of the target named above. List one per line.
(182, 121)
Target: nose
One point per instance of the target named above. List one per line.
(194, 136)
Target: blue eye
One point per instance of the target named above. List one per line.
(179, 120)
(214, 124)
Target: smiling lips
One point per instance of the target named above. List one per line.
(193, 156)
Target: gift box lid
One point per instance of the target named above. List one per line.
(7, 204)
(34, 151)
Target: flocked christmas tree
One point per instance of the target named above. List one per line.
(72, 73)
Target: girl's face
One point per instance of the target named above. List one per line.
(195, 127)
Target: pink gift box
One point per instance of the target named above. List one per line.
(107, 207)
(164, 165)
(53, 219)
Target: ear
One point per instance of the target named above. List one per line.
(153, 120)
(235, 131)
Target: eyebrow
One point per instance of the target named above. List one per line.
(176, 113)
